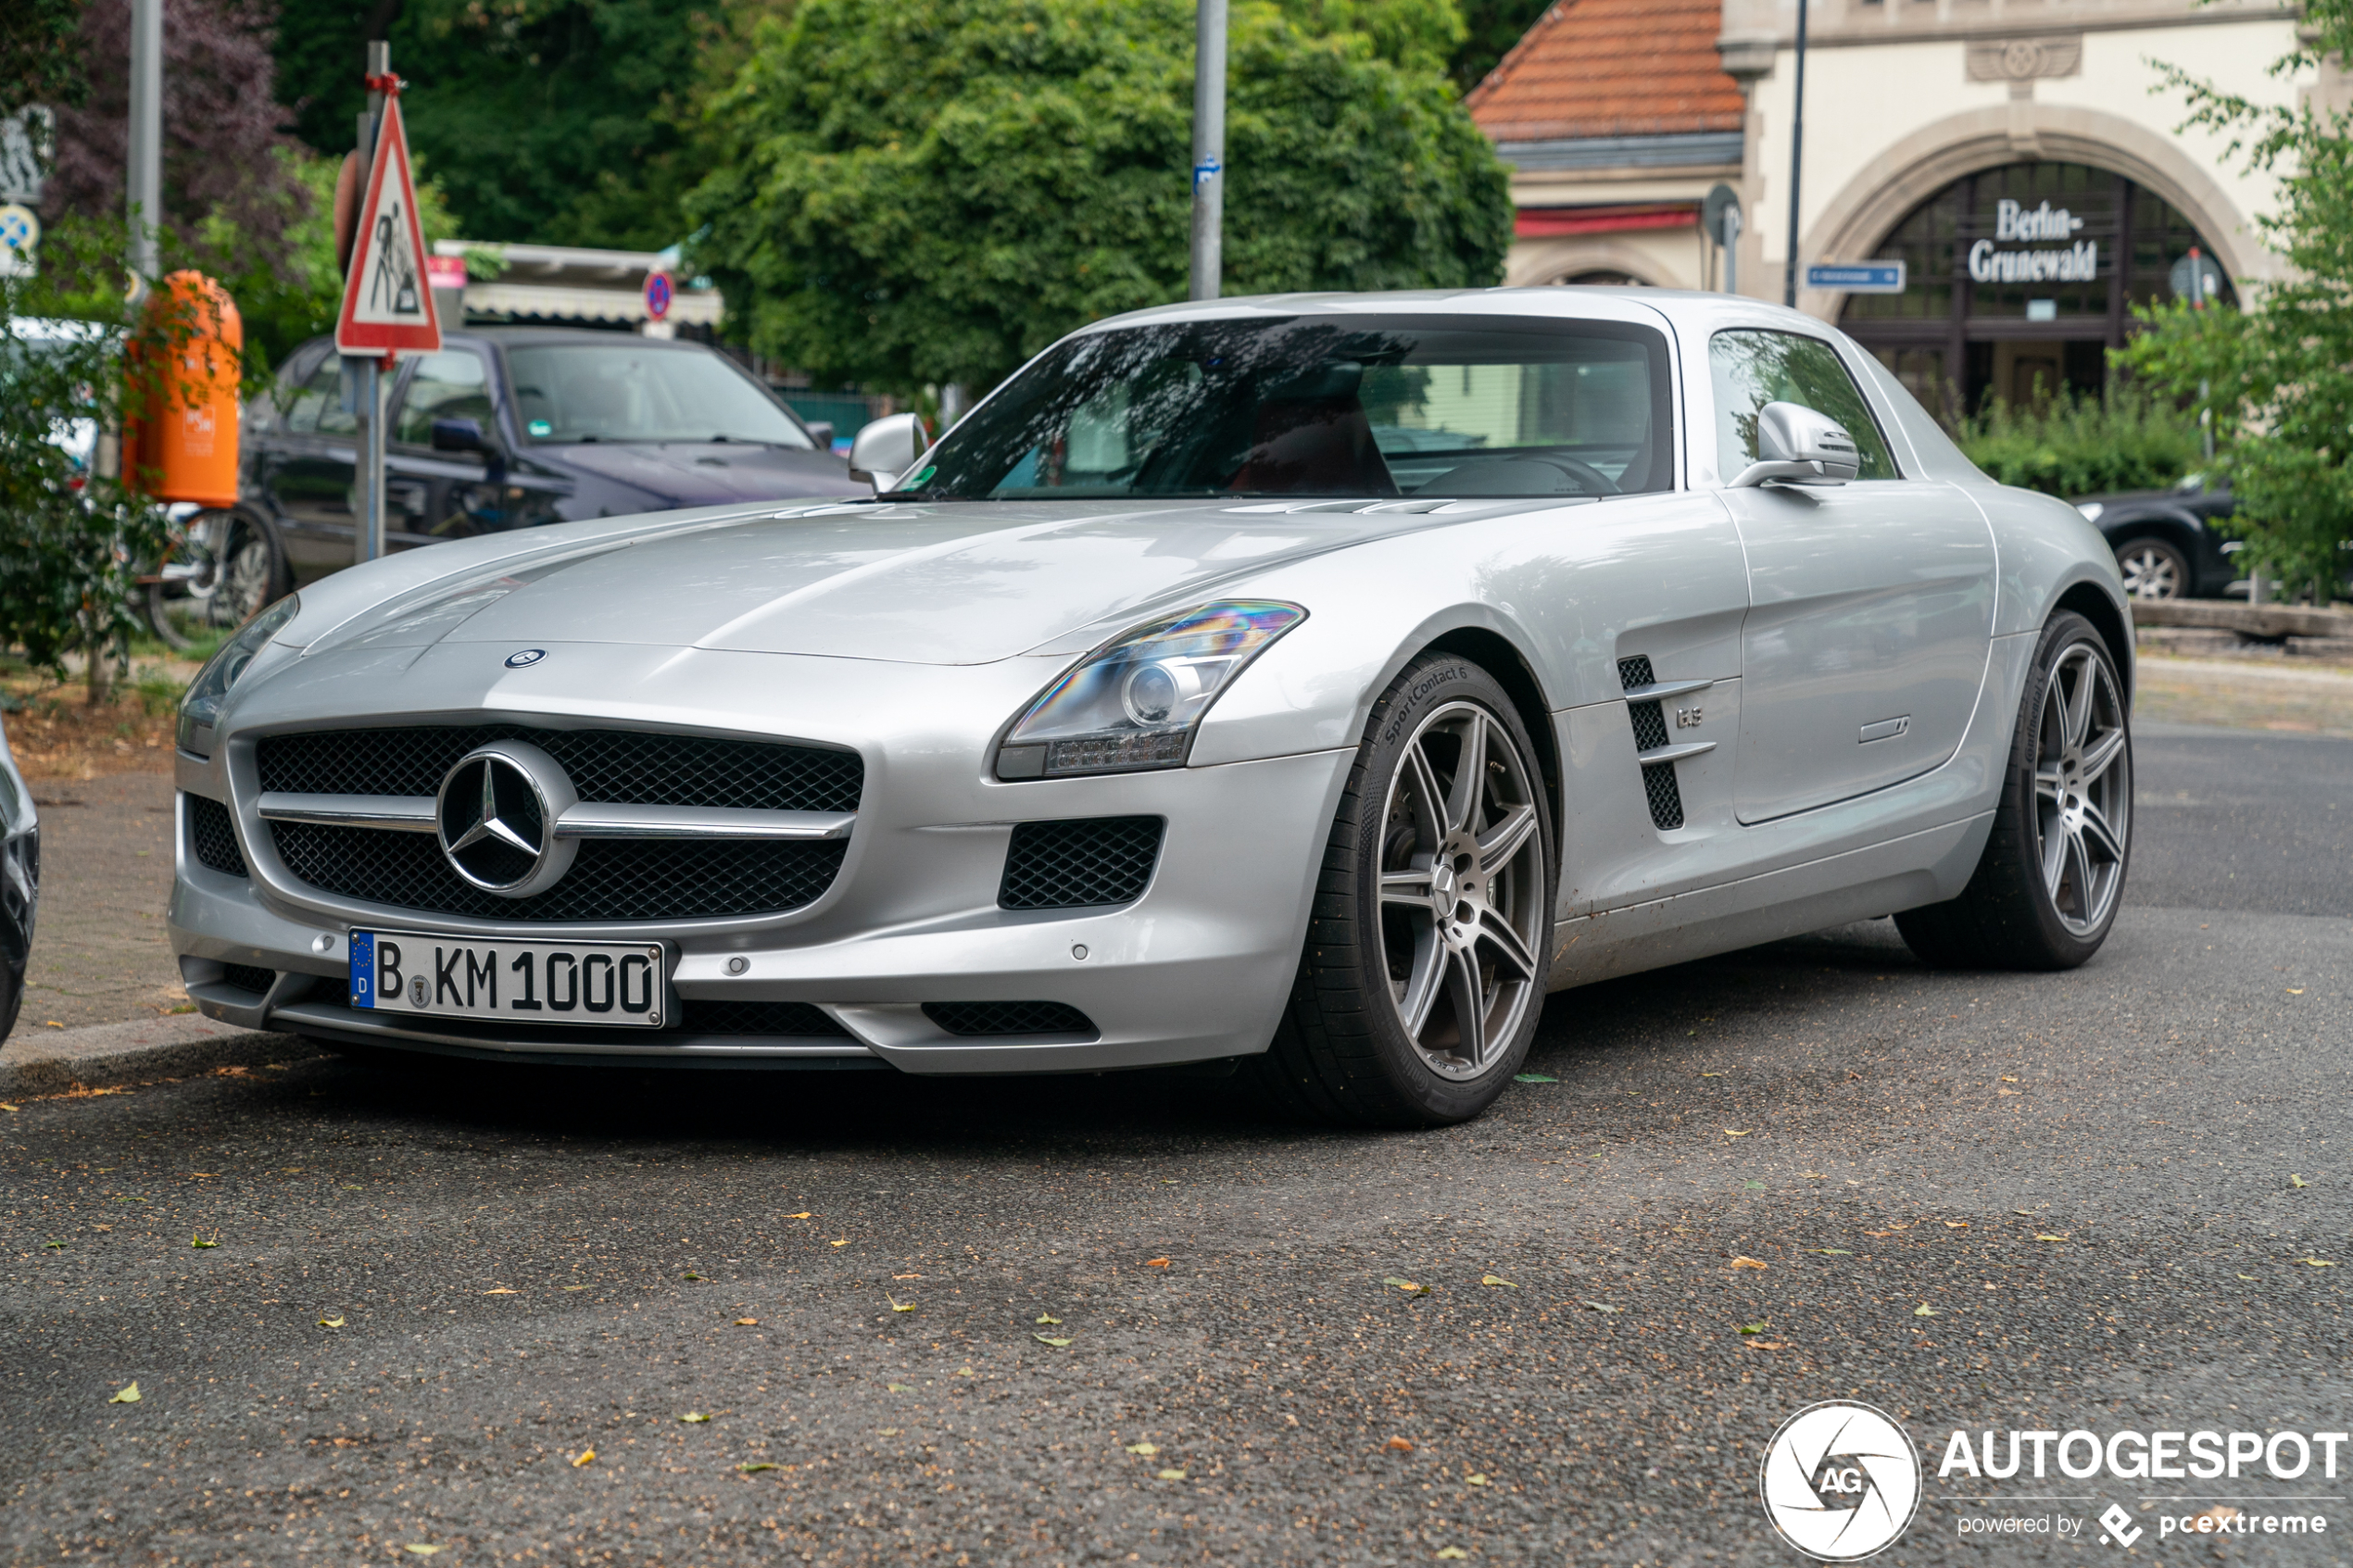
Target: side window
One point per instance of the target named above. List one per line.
(453, 385)
(316, 408)
(1752, 369)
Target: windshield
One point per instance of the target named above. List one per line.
(627, 390)
(1358, 406)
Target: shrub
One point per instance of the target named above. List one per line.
(2082, 445)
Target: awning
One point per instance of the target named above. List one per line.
(1549, 222)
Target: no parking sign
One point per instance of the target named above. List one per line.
(657, 296)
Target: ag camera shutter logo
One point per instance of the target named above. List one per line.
(1839, 1481)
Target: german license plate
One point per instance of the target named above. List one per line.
(605, 984)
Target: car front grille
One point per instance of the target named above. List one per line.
(612, 767)
(1080, 864)
(1009, 1018)
(618, 878)
(212, 837)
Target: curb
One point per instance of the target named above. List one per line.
(2253, 620)
(42, 1061)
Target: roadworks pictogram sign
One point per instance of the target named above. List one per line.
(387, 296)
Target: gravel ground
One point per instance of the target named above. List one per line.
(99, 953)
(2040, 1201)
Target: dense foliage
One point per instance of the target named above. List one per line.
(2282, 374)
(547, 121)
(909, 194)
(39, 61)
(2084, 445)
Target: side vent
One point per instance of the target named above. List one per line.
(1650, 733)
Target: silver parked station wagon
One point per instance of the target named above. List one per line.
(1313, 680)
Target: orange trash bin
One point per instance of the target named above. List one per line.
(179, 440)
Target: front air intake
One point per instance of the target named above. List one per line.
(1079, 864)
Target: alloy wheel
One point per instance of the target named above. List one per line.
(2083, 790)
(2150, 573)
(1462, 888)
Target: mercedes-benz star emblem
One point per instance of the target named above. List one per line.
(528, 656)
(497, 818)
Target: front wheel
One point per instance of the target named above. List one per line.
(1424, 971)
(224, 570)
(2046, 889)
(2153, 570)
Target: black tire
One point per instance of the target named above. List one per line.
(2155, 569)
(2014, 914)
(1343, 1052)
(244, 571)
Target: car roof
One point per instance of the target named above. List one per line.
(533, 337)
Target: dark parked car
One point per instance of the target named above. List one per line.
(2163, 540)
(508, 427)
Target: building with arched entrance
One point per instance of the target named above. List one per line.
(2023, 158)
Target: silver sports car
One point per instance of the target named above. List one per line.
(1310, 684)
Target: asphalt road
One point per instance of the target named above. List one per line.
(1141, 1326)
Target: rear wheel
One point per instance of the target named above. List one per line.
(2153, 569)
(225, 568)
(1424, 971)
(2046, 889)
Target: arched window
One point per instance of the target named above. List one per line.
(2020, 280)
(1606, 278)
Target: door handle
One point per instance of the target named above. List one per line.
(1886, 729)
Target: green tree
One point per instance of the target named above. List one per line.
(1489, 30)
(907, 195)
(2280, 374)
(546, 121)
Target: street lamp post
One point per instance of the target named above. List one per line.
(1796, 160)
(1209, 147)
(143, 162)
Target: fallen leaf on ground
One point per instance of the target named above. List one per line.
(1715, 1074)
(1830, 1251)
(2047, 1236)
(1476, 1479)
(1493, 1279)
(906, 1277)
(54, 1246)
(695, 1417)
(1172, 1475)
(584, 1456)
(1736, 1132)
(1752, 1187)
(2295, 1181)
(1146, 1449)
(576, 1288)
(1156, 1263)
(1399, 1445)
(2296, 990)
(421, 1548)
(330, 1322)
(2000, 1092)
(1057, 1344)
(502, 1291)
(1600, 1306)
(1925, 1310)
(1407, 1285)
(898, 1388)
(2250, 1278)
(1043, 1318)
(2317, 1263)
(1746, 1263)
(966, 1372)
(1765, 1343)
(900, 1306)
(1452, 1553)
(1532, 1078)
(1956, 1224)
(802, 1215)
(126, 1395)
(843, 1242)
(755, 1467)
(1752, 1327)
(747, 1323)
(6, 1107)
(199, 1241)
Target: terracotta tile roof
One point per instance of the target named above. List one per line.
(1611, 67)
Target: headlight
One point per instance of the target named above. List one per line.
(201, 706)
(2091, 510)
(1135, 702)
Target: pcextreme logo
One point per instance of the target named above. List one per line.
(1839, 1481)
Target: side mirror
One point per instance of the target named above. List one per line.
(458, 435)
(1796, 445)
(886, 449)
(822, 432)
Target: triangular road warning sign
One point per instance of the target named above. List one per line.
(387, 298)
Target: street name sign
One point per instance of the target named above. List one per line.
(1857, 277)
(387, 297)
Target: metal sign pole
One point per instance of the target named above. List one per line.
(144, 166)
(1796, 160)
(362, 374)
(1209, 148)
(1733, 251)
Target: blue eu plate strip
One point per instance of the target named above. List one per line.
(363, 969)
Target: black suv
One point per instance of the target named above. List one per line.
(2163, 540)
(508, 427)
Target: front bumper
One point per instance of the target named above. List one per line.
(1197, 968)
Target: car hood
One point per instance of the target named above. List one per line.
(705, 473)
(965, 583)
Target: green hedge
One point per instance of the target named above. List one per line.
(2082, 445)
